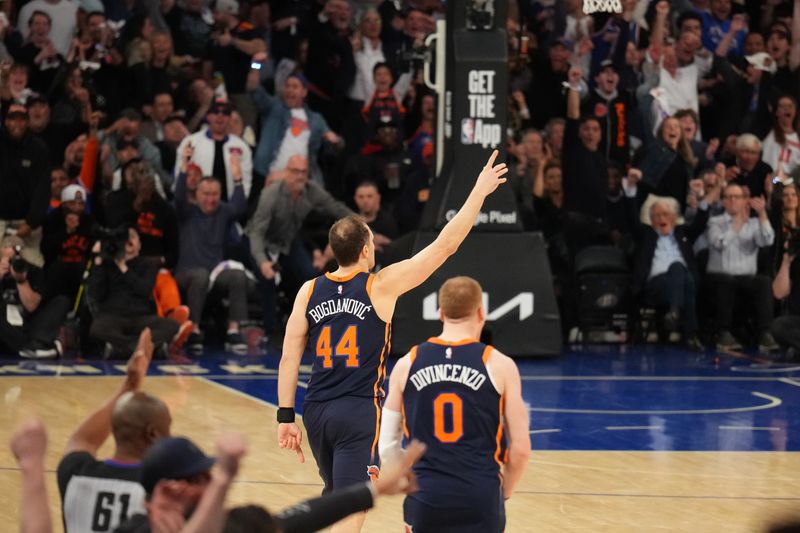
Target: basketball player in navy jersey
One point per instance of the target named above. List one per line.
(345, 318)
(463, 400)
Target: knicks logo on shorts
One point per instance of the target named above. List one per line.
(373, 472)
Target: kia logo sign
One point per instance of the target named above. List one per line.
(523, 300)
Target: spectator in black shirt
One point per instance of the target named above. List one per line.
(585, 172)
(385, 162)
(747, 169)
(786, 286)
(233, 44)
(667, 163)
(138, 205)
(55, 137)
(121, 293)
(545, 97)
(25, 183)
(331, 67)
(613, 110)
(190, 25)
(160, 74)
(66, 243)
(40, 54)
(71, 101)
(383, 225)
(548, 195)
(28, 324)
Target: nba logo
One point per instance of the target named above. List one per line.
(339, 289)
(448, 353)
(467, 130)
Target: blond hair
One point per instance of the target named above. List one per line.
(459, 297)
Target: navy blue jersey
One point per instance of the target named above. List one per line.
(349, 341)
(451, 405)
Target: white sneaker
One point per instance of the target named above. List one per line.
(42, 352)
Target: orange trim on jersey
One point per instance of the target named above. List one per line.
(378, 391)
(440, 342)
(343, 279)
(499, 436)
(405, 426)
(486, 353)
(376, 401)
(369, 285)
(413, 354)
(311, 289)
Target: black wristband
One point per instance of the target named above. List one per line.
(285, 415)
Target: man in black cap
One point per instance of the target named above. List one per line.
(612, 109)
(183, 490)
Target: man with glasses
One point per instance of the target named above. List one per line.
(734, 239)
(213, 148)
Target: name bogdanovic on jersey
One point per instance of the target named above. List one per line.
(348, 339)
(343, 305)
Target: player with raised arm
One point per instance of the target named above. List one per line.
(345, 318)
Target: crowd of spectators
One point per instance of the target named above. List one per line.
(170, 164)
(205, 145)
(683, 115)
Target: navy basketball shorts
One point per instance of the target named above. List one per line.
(342, 434)
(484, 514)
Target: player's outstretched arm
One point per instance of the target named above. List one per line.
(294, 342)
(401, 277)
(516, 422)
(93, 432)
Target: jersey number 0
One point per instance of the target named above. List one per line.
(346, 347)
(456, 431)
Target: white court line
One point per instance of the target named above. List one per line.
(237, 392)
(624, 428)
(765, 369)
(789, 381)
(650, 378)
(537, 431)
(772, 402)
(244, 394)
(750, 428)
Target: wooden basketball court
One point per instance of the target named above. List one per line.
(563, 490)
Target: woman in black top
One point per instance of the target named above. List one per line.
(667, 164)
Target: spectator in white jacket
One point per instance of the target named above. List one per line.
(213, 148)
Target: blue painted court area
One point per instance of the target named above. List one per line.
(598, 398)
